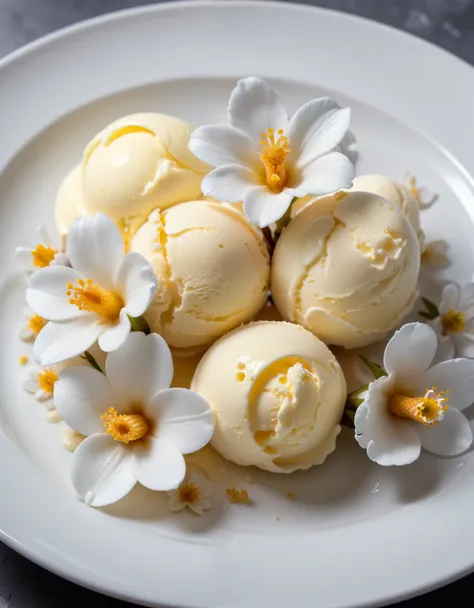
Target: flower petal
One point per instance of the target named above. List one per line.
(254, 107)
(316, 129)
(25, 256)
(81, 396)
(410, 351)
(95, 248)
(325, 174)
(455, 376)
(466, 302)
(46, 293)
(220, 145)
(452, 436)
(450, 298)
(175, 504)
(137, 282)
(101, 470)
(114, 336)
(141, 368)
(445, 350)
(464, 345)
(426, 197)
(229, 183)
(30, 379)
(158, 465)
(263, 207)
(389, 441)
(184, 417)
(61, 341)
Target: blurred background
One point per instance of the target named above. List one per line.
(447, 23)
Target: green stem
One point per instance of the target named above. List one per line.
(92, 361)
(139, 324)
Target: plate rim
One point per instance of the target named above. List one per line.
(123, 15)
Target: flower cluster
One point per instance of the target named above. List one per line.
(137, 428)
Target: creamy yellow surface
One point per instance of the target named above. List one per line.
(69, 200)
(347, 269)
(136, 164)
(278, 394)
(212, 268)
(394, 193)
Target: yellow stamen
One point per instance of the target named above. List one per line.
(453, 322)
(91, 297)
(43, 256)
(36, 323)
(189, 493)
(428, 410)
(125, 427)
(273, 157)
(23, 360)
(239, 497)
(412, 187)
(47, 380)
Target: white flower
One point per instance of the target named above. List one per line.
(265, 159)
(92, 300)
(423, 196)
(137, 429)
(40, 382)
(43, 255)
(435, 253)
(33, 324)
(416, 405)
(455, 324)
(193, 493)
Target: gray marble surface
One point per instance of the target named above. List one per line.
(448, 23)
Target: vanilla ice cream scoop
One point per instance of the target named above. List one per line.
(278, 394)
(346, 268)
(136, 164)
(394, 193)
(213, 271)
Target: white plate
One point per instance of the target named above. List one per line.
(359, 534)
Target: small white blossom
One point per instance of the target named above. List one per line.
(423, 196)
(266, 159)
(45, 254)
(137, 428)
(93, 300)
(417, 404)
(193, 493)
(40, 381)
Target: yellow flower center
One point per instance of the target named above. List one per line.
(189, 493)
(273, 156)
(125, 427)
(453, 322)
(91, 297)
(428, 410)
(43, 256)
(47, 379)
(36, 323)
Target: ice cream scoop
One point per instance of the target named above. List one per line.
(346, 268)
(212, 267)
(136, 164)
(278, 394)
(394, 193)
